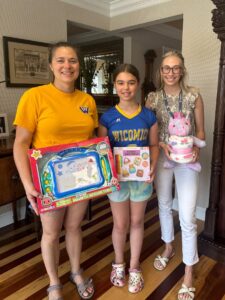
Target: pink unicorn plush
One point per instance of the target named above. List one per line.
(181, 142)
(179, 125)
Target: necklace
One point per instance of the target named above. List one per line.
(180, 100)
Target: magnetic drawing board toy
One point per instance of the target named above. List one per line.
(66, 174)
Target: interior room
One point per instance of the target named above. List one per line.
(108, 33)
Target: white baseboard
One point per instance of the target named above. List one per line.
(6, 218)
(6, 214)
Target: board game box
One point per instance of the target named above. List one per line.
(132, 163)
(66, 174)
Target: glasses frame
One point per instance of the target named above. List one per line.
(177, 67)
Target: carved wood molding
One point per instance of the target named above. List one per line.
(218, 18)
(212, 212)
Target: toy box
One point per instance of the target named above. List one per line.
(66, 174)
(132, 163)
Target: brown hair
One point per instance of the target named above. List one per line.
(54, 47)
(183, 78)
(127, 68)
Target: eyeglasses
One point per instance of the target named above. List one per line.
(167, 69)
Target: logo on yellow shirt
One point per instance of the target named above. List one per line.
(84, 109)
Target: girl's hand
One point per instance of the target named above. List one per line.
(196, 152)
(32, 194)
(166, 148)
(151, 174)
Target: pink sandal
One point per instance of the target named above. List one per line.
(136, 281)
(117, 276)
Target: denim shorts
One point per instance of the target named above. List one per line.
(136, 191)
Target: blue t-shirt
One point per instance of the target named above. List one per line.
(128, 130)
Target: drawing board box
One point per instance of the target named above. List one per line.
(132, 163)
(66, 174)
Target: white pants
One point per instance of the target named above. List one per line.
(186, 181)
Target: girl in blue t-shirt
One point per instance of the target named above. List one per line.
(129, 124)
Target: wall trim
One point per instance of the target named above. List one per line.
(114, 7)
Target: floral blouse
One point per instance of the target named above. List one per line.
(155, 102)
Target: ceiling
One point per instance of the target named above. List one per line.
(113, 8)
(82, 34)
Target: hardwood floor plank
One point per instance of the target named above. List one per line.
(24, 277)
(86, 264)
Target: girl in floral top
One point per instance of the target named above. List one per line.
(172, 96)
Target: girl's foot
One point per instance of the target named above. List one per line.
(55, 292)
(186, 293)
(85, 287)
(117, 276)
(161, 261)
(136, 281)
(187, 290)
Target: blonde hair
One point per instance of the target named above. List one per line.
(183, 78)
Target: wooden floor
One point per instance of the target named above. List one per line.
(22, 273)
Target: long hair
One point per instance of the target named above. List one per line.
(183, 78)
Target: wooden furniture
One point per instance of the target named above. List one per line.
(104, 102)
(11, 188)
(212, 240)
(148, 85)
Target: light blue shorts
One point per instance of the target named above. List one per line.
(136, 191)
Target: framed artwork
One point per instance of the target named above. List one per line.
(66, 174)
(26, 62)
(4, 128)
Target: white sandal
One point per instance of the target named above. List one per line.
(190, 292)
(163, 261)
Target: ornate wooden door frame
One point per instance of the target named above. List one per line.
(212, 240)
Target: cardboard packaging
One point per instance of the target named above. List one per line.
(66, 174)
(132, 163)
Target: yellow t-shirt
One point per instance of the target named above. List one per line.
(55, 117)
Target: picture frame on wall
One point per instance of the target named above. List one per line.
(26, 62)
(4, 127)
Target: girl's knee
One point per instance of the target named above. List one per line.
(50, 237)
(121, 227)
(188, 224)
(136, 223)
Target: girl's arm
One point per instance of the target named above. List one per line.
(154, 149)
(199, 125)
(102, 131)
(20, 148)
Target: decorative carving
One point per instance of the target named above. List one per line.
(214, 230)
(219, 3)
(218, 19)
